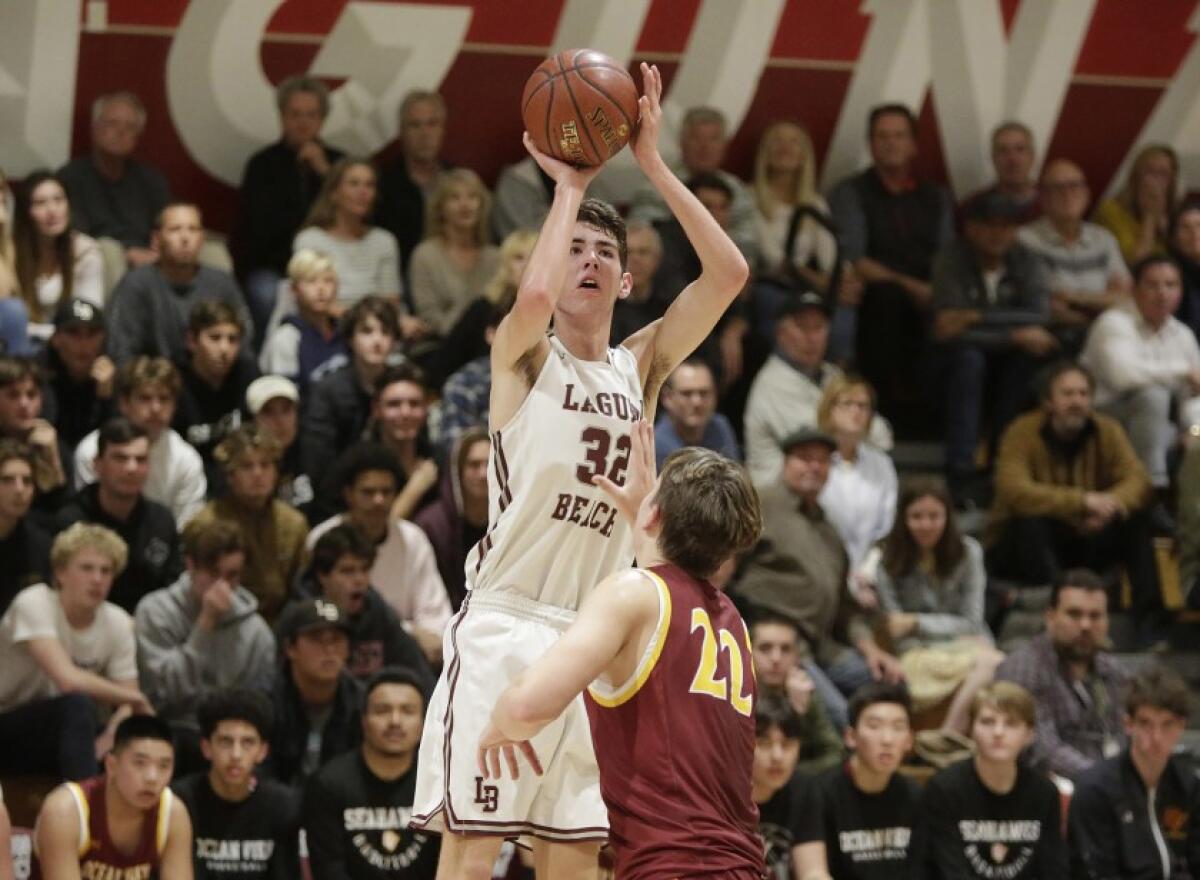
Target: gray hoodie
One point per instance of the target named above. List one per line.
(179, 663)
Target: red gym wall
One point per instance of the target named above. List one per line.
(1095, 77)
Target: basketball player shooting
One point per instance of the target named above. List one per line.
(563, 404)
(667, 658)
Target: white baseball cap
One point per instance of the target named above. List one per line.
(266, 388)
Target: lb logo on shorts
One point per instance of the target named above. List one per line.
(488, 795)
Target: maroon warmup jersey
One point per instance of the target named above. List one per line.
(675, 743)
(99, 859)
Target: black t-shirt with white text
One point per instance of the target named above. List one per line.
(357, 824)
(969, 832)
(867, 836)
(254, 839)
(779, 822)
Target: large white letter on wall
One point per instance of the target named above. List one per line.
(39, 54)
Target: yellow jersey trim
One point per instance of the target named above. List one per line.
(85, 817)
(164, 819)
(610, 697)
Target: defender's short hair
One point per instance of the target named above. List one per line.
(88, 536)
(709, 508)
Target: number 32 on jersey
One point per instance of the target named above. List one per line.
(707, 680)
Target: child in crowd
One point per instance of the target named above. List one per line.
(306, 345)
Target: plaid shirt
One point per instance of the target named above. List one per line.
(466, 398)
(1075, 719)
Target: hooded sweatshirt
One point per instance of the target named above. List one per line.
(179, 662)
(450, 535)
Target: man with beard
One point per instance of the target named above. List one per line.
(1071, 493)
(1076, 685)
(356, 809)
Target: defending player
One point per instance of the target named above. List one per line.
(562, 407)
(671, 696)
(124, 825)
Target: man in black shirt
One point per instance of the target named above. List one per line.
(79, 375)
(1137, 815)
(244, 827)
(215, 377)
(24, 545)
(856, 820)
(116, 501)
(775, 786)
(990, 817)
(356, 809)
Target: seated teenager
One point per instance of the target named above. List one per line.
(126, 823)
(63, 649)
(991, 816)
(776, 787)
(856, 820)
(246, 827)
(376, 780)
(24, 543)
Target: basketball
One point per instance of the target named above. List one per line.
(580, 106)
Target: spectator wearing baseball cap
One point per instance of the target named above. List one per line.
(274, 404)
(991, 304)
(788, 388)
(79, 375)
(316, 702)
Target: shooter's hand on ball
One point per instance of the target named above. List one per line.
(561, 172)
(645, 138)
(639, 479)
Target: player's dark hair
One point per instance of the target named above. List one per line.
(603, 216)
(1076, 579)
(1158, 687)
(1049, 376)
(893, 109)
(142, 727)
(211, 312)
(370, 307)
(1144, 265)
(775, 710)
(367, 456)
(341, 540)
(879, 692)
(117, 431)
(709, 510)
(236, 704)
(395, 675)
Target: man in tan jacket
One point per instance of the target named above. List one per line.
(1071, 492)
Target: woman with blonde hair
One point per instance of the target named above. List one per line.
(797, 242)
(1140, 214)
(339, 225)
(501, 289)
(53, 261)
(859, 497)
(451, 266)
(14, 317)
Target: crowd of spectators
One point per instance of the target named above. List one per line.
(239, 478)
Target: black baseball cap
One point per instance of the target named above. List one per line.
(805, 435)
(794, 303)
(308, 615)
(78, 313)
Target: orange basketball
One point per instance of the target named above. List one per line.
(580, 106)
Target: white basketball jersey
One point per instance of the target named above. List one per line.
(552, 535)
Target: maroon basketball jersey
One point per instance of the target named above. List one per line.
(98, 857)
(675, 743)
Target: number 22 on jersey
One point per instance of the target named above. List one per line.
(707, 680)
